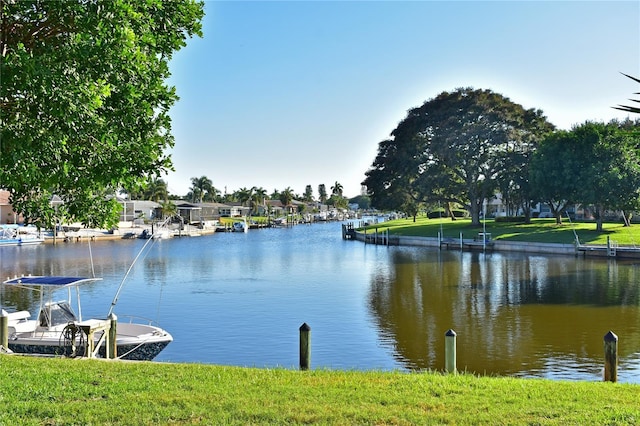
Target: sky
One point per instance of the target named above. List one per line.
(281, 94)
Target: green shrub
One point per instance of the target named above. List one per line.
(511, 219)
(437, 214)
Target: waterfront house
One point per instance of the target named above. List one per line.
(137, 211)
(7, 215)
(203, 213)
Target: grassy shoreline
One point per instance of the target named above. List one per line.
(538, 231)
(39, 391)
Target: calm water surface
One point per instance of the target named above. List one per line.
(239, 299)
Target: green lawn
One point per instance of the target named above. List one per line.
(539, 230)
(41, 391)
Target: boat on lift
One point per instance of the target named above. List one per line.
(57, 329)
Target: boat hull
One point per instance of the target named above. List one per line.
(20, 241)
(141, 352)
(136, 342)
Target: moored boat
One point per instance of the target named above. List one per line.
(240, 226)
(59, 331)
(13, 235)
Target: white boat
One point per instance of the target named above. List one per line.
(13, 235)
(240, 226)
(57, 330)
(159, 234)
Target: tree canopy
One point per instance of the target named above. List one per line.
(454, 148)
(594, 164)
(84, 100)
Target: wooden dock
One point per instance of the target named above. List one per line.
(611, 249)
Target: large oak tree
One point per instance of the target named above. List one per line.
(85, 101)
(454, 148)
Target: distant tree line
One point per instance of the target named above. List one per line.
(202, 190)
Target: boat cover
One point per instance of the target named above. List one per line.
(52, 281)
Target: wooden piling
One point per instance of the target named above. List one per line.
(305, 346)
(112, 346)
(610, 357)
(450, 351)
(4, 330)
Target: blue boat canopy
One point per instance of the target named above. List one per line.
(51, 281)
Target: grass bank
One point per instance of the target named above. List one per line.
(38, 391)
(538, 231)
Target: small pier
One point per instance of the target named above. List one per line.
(373, 237)
(348, 231)
(611, 249)
(482, 241)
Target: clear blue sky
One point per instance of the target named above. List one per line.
(295, 93)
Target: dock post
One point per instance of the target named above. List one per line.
(450, 351)
(461, 244)
(112, 347)
(610, 357)
(305, 346)
(4, 330)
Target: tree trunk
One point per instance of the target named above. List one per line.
(558, 215)
(475, 213)
(526, 210)
(598, 214)
(449, 211)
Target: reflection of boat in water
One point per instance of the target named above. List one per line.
(14, 235)
(58, 331)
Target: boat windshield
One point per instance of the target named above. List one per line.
(56, 313)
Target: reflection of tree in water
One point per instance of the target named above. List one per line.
(15, 299)
(510, 311)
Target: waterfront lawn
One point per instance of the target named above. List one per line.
(539, 230)
(229, 221)
(37, 391)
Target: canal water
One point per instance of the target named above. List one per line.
(240, 299)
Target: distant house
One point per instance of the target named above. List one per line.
(201, 213)
(273, 207)
(7, 215)
(139, 210)
(235, 210)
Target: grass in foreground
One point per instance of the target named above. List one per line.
(539, 230)
(38, 391)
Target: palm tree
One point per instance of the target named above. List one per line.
(336, 189)
(169, 209)
(156, 190)
(212, 195)
(626, 108)
(286, 196)
(258, 196)
(322, 193)
(199, 186)
(308, 194)
(243, 195)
